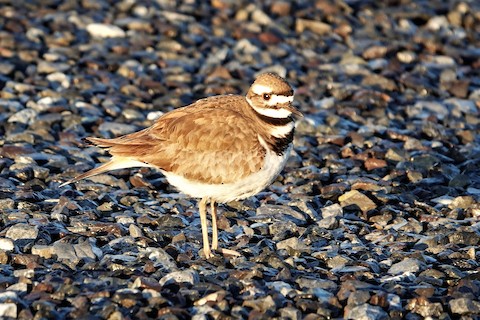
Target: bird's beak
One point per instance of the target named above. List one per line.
(295, 111)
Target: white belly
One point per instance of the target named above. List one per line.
(244, 188)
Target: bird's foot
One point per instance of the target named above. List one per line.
(208, 253)
(228, 252)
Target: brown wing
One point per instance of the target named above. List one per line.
(206, 145)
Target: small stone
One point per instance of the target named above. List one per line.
(406, 265)
(293, 243)
(356, 198)
(262, 305)
(373, 163)
(116, 315)
(18, 287)
(366, 312)
(425, 109)
(334, 210)
(135, 231)
(46, 67)
(281, 8)
(84, 249)
(462, 202)
(186, 276)
(65, 251)
(102, 30)
(459, 88)
(358, 297)
(6, 244)
(406, 56)
(374, 52)
(315, 26)
(8, 296)
(8, 310)
(290, 313)
(414, 176)
(6, 68)
(464, 306)
(462, 105)
(3, 257)
(261, 17)
(25, 116)
(328, 223)
(22, 231)
(43, 251)
(338, 262)
(437, 22)
(279, 213)
(425, 308)
(6, 204)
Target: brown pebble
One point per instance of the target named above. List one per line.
(373, 163)
(281, 8)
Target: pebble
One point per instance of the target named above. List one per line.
(43, 251)
(8, 310)
(25, 116)
(187, 277)
(102, 30)
(22, 231)
(407, 265)
(366, 311)
(464, 306)
(314, 26)
(334, 210)
(6, 244)
(357, 199)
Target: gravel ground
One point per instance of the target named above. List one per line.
(376, 215)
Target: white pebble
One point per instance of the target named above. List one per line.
(102, 30)
(6, 244)
(8, 310)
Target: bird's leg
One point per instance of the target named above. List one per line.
(202, 207)
(215, 234)
(213, 208)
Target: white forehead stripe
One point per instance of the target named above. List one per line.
(260, 89)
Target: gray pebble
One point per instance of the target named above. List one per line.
(186, 276)
(409, 265)
(22, 231)
(366, 312)
(25, 116)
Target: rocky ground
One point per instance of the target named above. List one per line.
(376, 215)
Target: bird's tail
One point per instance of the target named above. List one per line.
(114, 164)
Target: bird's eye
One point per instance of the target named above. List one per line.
(266, 96)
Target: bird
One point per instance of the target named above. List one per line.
(218, 149)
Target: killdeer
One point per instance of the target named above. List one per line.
(219, 149)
